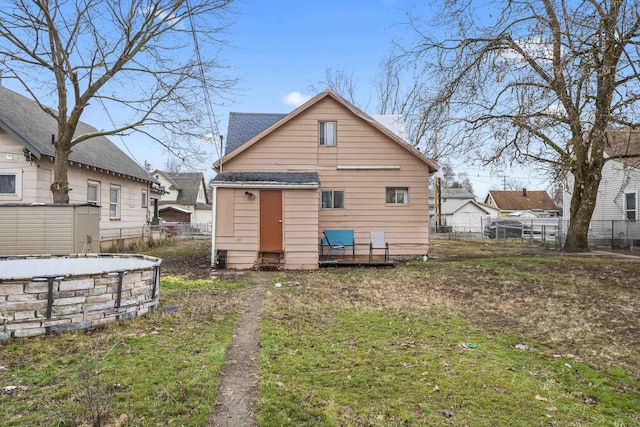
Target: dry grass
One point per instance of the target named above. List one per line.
(585, 306)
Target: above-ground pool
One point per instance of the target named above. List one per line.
(42, 294)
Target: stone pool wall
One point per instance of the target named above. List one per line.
(40, 306)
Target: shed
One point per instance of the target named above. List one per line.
(49, 228)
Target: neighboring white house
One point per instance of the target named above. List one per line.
(616, 213)
(99, 172)
(185, 197)
(461, 212)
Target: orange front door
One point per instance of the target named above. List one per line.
(271, 220)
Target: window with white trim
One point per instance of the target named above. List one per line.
(397, 195)
(631, 206)
(9, 183)
(145, 198)
(93, 192)
(332, 199)
(328, 134)
(114, 202)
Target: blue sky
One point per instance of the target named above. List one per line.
(285, 46)
(281, 47)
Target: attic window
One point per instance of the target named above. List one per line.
(328, 134)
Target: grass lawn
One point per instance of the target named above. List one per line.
(161, 369)
(435, 343)
(423, 344)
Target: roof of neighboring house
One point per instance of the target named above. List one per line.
(522, 200)
(244, 126)
(245, 129)
(455, 208)
(456, 193)
(269, 177)
(187, 184)
(23, 119)
(395, 123)
(624, 142)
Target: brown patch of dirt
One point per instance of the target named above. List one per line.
(238, 391)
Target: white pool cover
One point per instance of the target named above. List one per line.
(62, 267)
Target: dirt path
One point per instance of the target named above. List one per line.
(238, 391)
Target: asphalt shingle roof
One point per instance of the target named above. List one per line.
(275, 177)
(517, 201)
(189, 185)
(22, 118)
(625, 142)
(244, 126)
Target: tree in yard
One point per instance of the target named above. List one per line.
(135, 58)
(536, 80)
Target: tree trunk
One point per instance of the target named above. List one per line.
(60, 185)
(583, 202)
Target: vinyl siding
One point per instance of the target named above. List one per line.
(616, 181)
(300, 226)
(242, 245)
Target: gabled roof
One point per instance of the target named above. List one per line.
(624, 142)
(244, 126)
(484, 208)
(23, 119)
(522, 200)
(236, 146)
(187, 184)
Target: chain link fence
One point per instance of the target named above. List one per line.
(548, 232)
(119, 238)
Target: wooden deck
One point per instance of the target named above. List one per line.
(357, 261)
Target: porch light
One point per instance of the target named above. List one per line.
(250, 195)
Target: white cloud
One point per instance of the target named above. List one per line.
(296, 99)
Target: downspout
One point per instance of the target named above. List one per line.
(214, 201)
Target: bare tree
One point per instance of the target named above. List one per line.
(173, 165)
(402, 89)
(136, 58)
(341, 82)
(540, 80)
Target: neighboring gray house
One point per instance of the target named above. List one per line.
(461, 212)
(185, 197)
(99, 172)
(616, 214)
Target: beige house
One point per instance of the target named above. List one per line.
(284, 179)
(99, 172)
(184, 198)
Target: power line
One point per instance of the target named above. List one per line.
(213, 123)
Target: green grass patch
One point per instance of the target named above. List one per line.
(160, 369)
(331, 365)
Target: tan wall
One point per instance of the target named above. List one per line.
(300, 229)
(12, 159)
(294, 147)
(242, 242)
